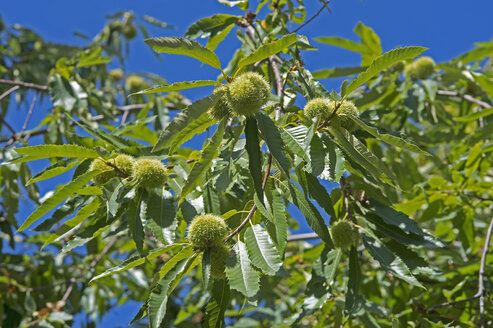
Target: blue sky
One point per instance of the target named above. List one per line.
(447, 28)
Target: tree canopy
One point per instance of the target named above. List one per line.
(392, 172)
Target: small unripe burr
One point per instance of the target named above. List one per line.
(342, 234)
(421, 68)
(248, 93)
(221, 108)
(207, 230)
(149, 173)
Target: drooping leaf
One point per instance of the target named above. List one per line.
(261, 250)
(343, 43)
(241, 275)
(176, 86)
(181, 46)
(216, 307)
(201, 166)
(254, 155)
(354, 281)
(160, 214)
(337, 72)
(50, 151)
(389, 261)
(195, 127)
(297, 139)
(135, 226)
(182, 120)
(59, 196)
(273, 140)
(320, 194)
(206, 267)
(382, 62)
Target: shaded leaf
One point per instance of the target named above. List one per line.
(242, 277)
(262, 251)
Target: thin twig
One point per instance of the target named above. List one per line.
(8, 126)
(481, 289)
(279, 86)
(465, 97)
(437, 306)
(8, 92)
(254, 207)
(25, 84)
(303, 236)
(124, 117)
(313, 17)
(29, 113)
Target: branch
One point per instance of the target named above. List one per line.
(29, 113)
(465, 97)
(254, 207)
(437, 306)
(303, 236)
(8, 92)
(481, 289)
(25, 84)
(313, 17)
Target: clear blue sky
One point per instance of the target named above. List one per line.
(447, 28)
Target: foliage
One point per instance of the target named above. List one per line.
(410, 176)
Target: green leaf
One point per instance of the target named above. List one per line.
(390, 139)
(136, 261)
(160, 213)
(177, 86)
(475, 115)
(92, 57)
(182, 120)
(201, 166)
(132, 125)
(181, 46)
(54, 170)
(273, 139)
(382, 62)
(334, 160)
(194, 128)
(254, 155)
(49, 151)
(337, 72)
(389, 261)
(358, 151)
(242, 277)
(216, 307)
(184, 253)
(61, 92)
(354, 281)
(214, 40)
(59, 196)
(320, 194)
(135, 226)
(262, 251)
(242, 4)
(210, 26)
(297, 139)
(269, 49)
(159, 294)
(69, 225)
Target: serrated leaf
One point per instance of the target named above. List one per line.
(182, 120)
(59, 196)
(254, 155)
(388, 138)
(181, 46)
(135, 226)
(269, 49)
(69, 225)
(184, 253)
(262, 251)
(206, 267)
(320, 194)
(241, 275)
(216, 307)
(54, 170)
(160, 213)
(334, 160)
(297, 140)
(50, 151)
(382, 62)
(273, 139)
(201, 166)
(136, 261)
(475, 115)
(61, 92)
(215, 39)
(389, 261)
(177, 86)
(210, 26)
(132, 125)
(354, 281)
